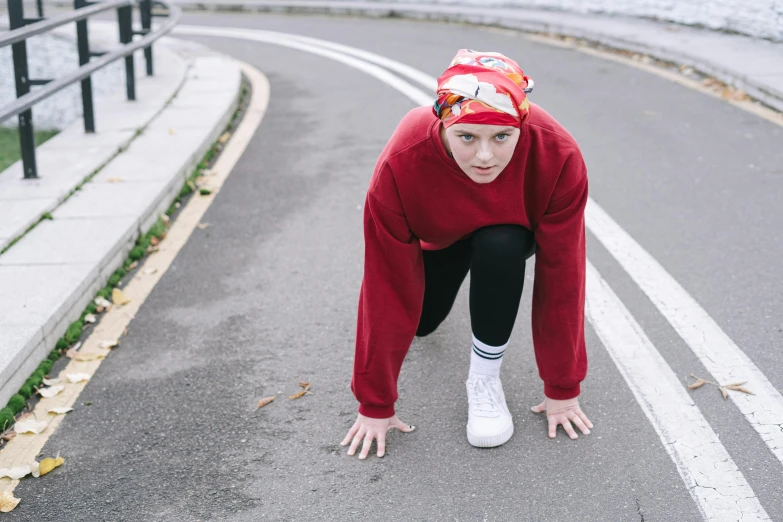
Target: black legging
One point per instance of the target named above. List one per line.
(495, 256)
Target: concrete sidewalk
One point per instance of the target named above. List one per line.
(750, 64)
(143, 151)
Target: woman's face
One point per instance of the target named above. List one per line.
(481, 151)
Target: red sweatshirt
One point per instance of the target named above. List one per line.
(419, 198)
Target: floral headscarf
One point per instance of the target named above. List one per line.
(487, 88)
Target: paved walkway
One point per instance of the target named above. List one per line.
(142, 153)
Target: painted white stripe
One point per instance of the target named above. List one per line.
(709, 473)
(711, 476)
(418, 97)
(723, 359)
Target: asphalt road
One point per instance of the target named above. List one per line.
(267, 296)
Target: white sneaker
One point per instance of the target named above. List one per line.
(489, 421)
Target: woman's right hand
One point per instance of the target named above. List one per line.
(366, 429)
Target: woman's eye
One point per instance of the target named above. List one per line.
(467, 137)
(502, 137)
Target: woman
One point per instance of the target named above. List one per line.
(479, 182)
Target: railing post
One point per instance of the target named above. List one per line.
(145, 10)
(22, 77)
(39, 4)
(125, 19)
(83, 43)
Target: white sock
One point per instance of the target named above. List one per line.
(485, 359)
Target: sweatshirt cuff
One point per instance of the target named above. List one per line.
(377, 412)
(561, 394)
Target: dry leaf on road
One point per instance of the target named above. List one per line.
(51, 382)
(108, 345)
(78, 377)
(47, 465)
(202, 226)
(7, 501)
(119, 298)
(150, 271)
(90, 318)
(263, 402)
(50, 392)
(100, 301)
(30, 426)
(60, 411)
(15, 473)
(699, 383)
(724, 392)
(304, 384)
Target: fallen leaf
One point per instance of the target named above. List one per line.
(150, 271)
(171, 131)
(698, 384)
(133, 265)
(208, 172)
(202, 226)
(192, 185)
(50, 392)
(30, 426)
(119, 298)
(7, 501)
(78, 377)
(15, 473)
(166, 220)
(100, 309)
(89, 356)
(735, 384)
(304, 384)
(8, 435)
(114, 180)
(298, 395)
(51, 382)
(108, 345)
(47, 465)
(89, 318)
(724, 392)
(100, 301)
(60, 411)
(154, 241)
(263, 402)
(224, 137)
(177, 204)
(739, 388)
(35, 468)
(152, 249)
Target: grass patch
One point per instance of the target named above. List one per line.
(10, 152)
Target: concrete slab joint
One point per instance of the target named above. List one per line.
(52, 273)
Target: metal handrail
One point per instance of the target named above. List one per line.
(28, 100)
(23, 33)
(24, 28)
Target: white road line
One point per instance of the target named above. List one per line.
(383, 75)
(715, 483)
(720, 355)
(709, 473)
(722, 358)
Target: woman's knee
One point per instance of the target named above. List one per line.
(504, 241)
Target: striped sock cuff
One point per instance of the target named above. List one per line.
(486, 351)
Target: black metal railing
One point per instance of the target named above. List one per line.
(22, 28)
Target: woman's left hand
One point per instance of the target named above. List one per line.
(564, 412)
